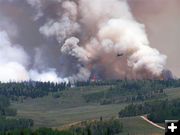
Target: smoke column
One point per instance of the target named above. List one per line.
(76, 39)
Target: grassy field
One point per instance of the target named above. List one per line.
(71, 107)
(131, 126)
(137, 126)
(173, 93)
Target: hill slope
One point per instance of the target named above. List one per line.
(50, 111)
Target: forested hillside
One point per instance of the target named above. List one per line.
(30, 89)
(7, 124)
(157, 111)
(141, 88)
(130, 90)
(52, 103)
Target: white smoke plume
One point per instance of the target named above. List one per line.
(98, 37)
(12, 60)
(72, 48)
(45, 76)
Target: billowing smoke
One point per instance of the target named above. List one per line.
(78, 38)
(12, 60)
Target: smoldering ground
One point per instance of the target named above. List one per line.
(69, 40)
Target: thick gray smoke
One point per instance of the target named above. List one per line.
(75, 39)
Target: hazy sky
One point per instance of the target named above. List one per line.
(162, 20)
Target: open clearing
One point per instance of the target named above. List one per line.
(71, 107)
(137, 126)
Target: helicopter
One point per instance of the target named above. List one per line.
(120, 54)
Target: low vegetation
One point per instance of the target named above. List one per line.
(7, 124)
(157, 111)
(5, 110)
(53, 105)
(12, 124)
(108, 127)
(41, 131)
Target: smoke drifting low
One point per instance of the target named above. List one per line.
(76, 39)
